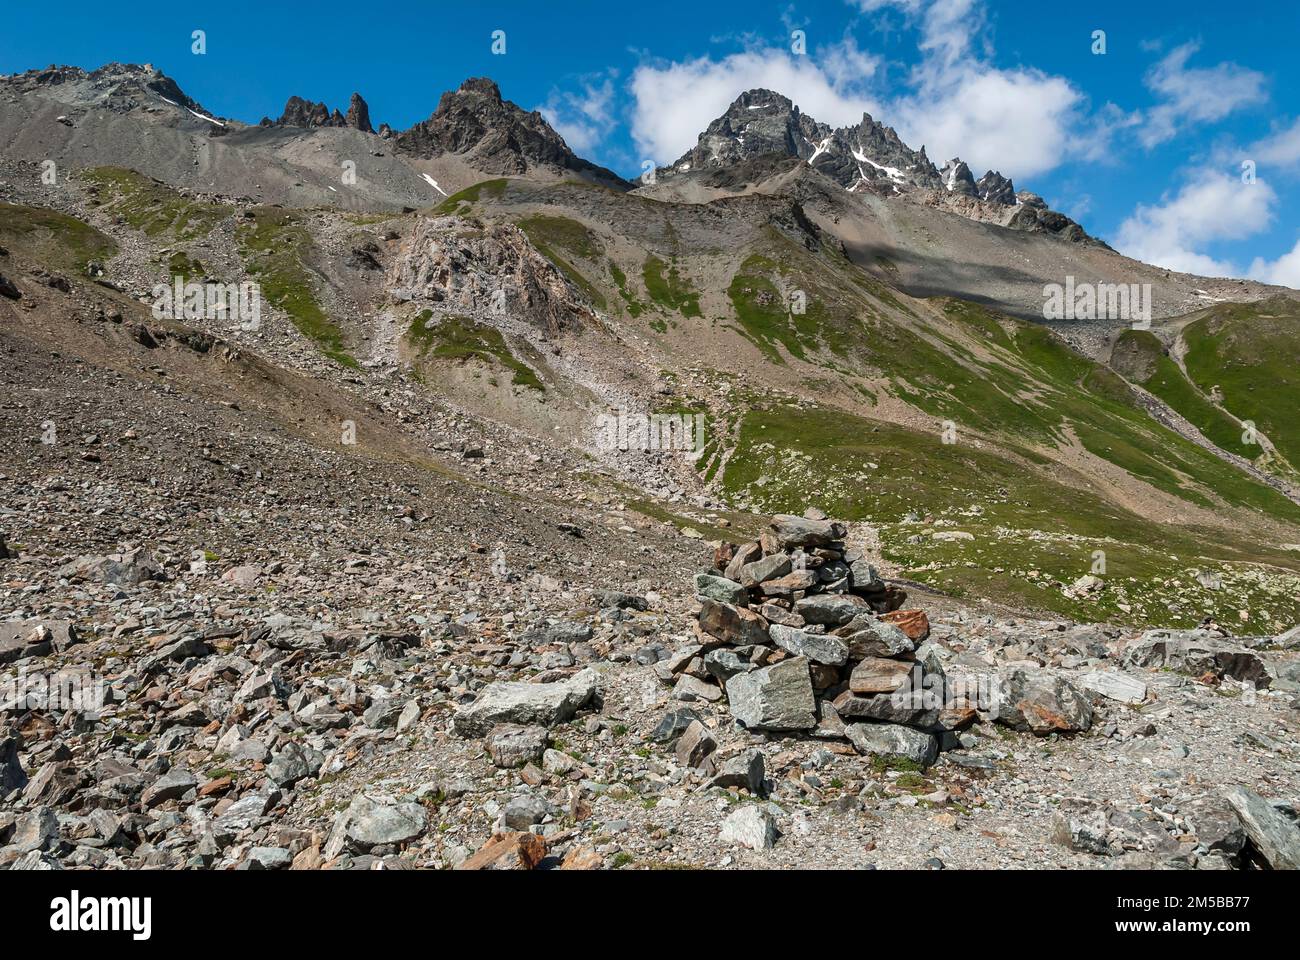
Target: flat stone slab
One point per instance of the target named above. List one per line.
(544, 704)
(1114, 686)
(817, 647)
(34, 638)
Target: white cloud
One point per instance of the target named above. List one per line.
(1019, 121)
(1285, 270)
(674, 102)
(1196, 94)
(582, 119)
(1214, 207)
(846, 65)
(1280, 149)
(946, 31)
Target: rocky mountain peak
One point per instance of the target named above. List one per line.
(484, 86)
(359, 114)
(957, 178)
(761, 100)
(757, 122)
(866, 157)
(996, 188)
(305, 113)
(496, 136)
(761, 121)
(120, 85)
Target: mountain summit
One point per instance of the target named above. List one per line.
(116, 87)
(867, 157)
(304, 113)
(497, 136)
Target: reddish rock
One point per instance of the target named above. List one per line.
(507, 851)
(878, 675)
(746, 553)
(735, 625)
(957, 715)
(787, 585)
(582, 858)
(215, 787)
(914, 623)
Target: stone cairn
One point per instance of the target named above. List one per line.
(800, 635)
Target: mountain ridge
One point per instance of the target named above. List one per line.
(496, 135)
(866, 156)
(476, 126)
(473, 125)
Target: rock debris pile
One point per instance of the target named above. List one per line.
(799, 634)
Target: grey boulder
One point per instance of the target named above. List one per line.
(719, 589)
(791, 531)
(170, 786)
(124, 569)
(293, 763)
(544, 704)
(779, 697)
(34, 638)
(1040, 702)
(893, 741)
(511, 745)
(750, 826)
(744, 770)
(760, 571)
(831, 609)
(817, 647)
(1272, 827)
(1198, 652)
(373, 821)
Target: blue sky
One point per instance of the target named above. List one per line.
(1144, 143)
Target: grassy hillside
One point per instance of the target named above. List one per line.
(1141, 358)
(275, 246)
(459, 339)
(1249, 355)
(63, 242)
(1055, 469)
(1040, 430)
(978, 522)
(153, 207)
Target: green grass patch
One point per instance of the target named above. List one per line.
(492, 189)
(181, 264)
(459, 338)
(669, 289)
(54, 238)
(275, 247)
(633, 305)
(1251, 353)
(1140, 355)
(151, 206)
(1032, 535)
